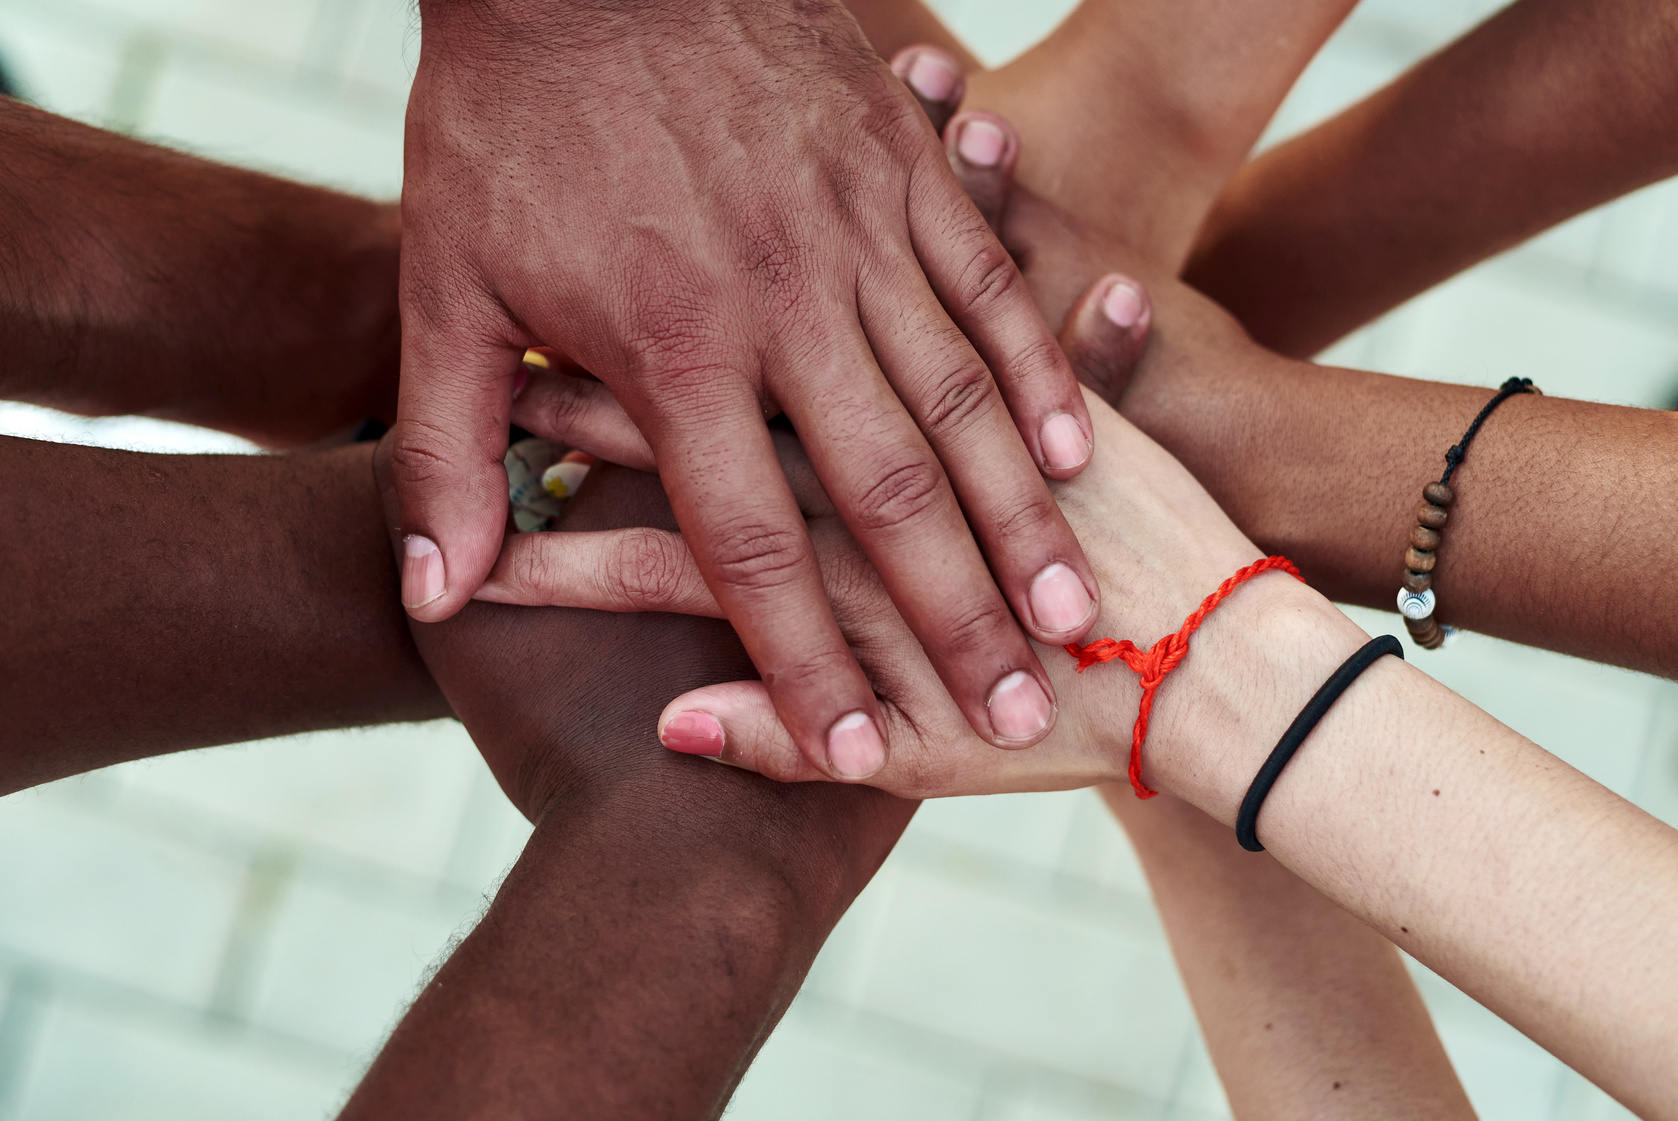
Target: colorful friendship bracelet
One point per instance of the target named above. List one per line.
(1167, 654)
(1416, 600)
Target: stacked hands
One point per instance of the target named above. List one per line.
(857, 515)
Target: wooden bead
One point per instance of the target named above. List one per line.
(1424, 538)
(1427, 633)
(1417, 581)
(1418, 560)
(1434, 517)
(1439, 494)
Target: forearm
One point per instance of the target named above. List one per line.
(1530, 887)
(165, 602)
(140, 280)
(1306, 1011)
(1135, 113)
(1326, 466)
(666, 908)
(639, 953)
(1548, 109)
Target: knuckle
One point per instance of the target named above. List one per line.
(900, 495)
(1023, 517)
(675, 335)
(651, 568)
(755, 556)
(988, 278)
(532, 570)
(417, 454)
(976, 627)
(960, 396)
(814, 670)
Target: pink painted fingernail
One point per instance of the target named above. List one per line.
(1019, 709)
(422, 571)
(1059, 601)
(520, 380)
(854, 747)
(932, 77)
(981, 143)
(1064, 444)
(1123, 305)
(693, 733)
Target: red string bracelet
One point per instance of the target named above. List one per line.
(1166, 655)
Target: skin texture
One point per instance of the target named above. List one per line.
(1547, 109)
(664, 911)
(1510, 881)
(1552, 487)
(139, 280)
(1355, 1040)
(1306, 1011)
(704, 244)
(164, 602)
(1136, 112)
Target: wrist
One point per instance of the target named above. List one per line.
(792, 858)
(1253, 665)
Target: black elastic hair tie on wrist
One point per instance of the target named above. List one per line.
(1246, 822)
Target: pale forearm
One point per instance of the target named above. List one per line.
(167, 602)
(1546, 110)
(1306, 1011)
(140, 280)
(1530, 887)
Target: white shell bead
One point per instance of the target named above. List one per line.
(1415, 605)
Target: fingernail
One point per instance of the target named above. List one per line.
(1019, 709)
(1064, 443)
(981, 143)
(1059, 600)
(932, 77)
(854, 747)
(520, 380)
(1123, 305)
(693, 733)
(422, 571)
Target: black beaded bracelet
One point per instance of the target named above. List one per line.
(1415, 597)
(1246, 822)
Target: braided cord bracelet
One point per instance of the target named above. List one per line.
(1416, 600)
(1167, 654)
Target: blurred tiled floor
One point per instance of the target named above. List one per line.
(230, 932)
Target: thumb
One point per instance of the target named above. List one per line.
(735, 723)
(1106, 333)
(446, 463)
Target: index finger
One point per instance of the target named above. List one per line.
(726, 488)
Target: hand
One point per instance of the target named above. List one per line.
(743, 213)
(664, 910)
(1159, 544)
(1151, 530)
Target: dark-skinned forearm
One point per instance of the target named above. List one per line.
(1548, 109)
(648, 939)
(666, 908)
(162, 602)
(139, 280)
(1562, 534)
